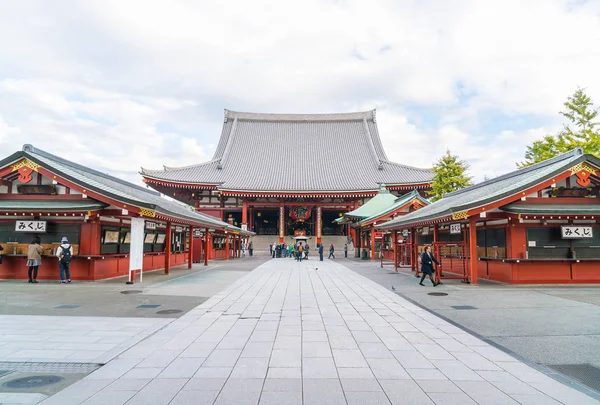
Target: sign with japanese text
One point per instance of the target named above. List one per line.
(179, 229)
(576, 232)
(244, 227)
(151, 225)
(405, 233)
(319, 225)
(30, 226)
(425, 230)
(455, 228)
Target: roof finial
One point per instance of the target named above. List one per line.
(225, 119)
(27, 148)
(374, 116)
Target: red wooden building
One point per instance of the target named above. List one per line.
(534, 225)
(50, 197)
(289, 174)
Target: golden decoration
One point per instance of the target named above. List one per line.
(145, 212)
(460, 215)
(25, 163)
(583, 166)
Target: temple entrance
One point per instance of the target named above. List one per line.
(330, 227)
(233, 217)
(265, 221)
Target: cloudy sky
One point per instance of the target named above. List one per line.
(119, 84)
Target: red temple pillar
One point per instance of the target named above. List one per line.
(226, 246)
(250, 219)
(206, 247)
(372, 242)
(281, 222)
(395, 249)
(168, 249)
(473, 259)
(190, 246)
(414, 264)
(244, 214)
(319, 225)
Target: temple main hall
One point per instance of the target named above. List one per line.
(290, 174)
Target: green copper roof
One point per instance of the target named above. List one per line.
(51, 205)
(399, 202)
(549, 209)
(382, 200)
(510, 184)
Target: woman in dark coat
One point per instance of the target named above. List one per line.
(427, 260)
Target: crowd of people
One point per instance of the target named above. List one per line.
(299, 250)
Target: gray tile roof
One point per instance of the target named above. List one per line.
(297, 153)
(492, 190)
(113, 187)
(400, 201)
(550, 209)
(51, 205)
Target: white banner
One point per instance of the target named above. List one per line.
(136, 246)
(577, 232)
(455, 228)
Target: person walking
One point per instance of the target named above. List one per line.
(299, 252)
(64, 254)
(291, 250)
(34, 259)
(243, 249)
(427, 260)
(320, 252)
(250, 248)
(306, 251)
(345, 250)
(331, 250)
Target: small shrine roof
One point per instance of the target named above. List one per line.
(492, 190)
(297, 153)
(114, 188)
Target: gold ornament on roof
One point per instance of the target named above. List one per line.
(460, 215)
(145, 212)
(583, 171)
(25, 163)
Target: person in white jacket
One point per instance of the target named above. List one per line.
(64, 254)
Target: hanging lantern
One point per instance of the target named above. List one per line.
(258, 214)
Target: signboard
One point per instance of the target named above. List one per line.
(151, 225)
(244, 227)
(563, 192)
(319, 225)
(44, 189)
(136, 246)
(197, 233)
(179, 229)
(455, 228)
(281, 222)
(30, 226)
(405, 233)
(425, 230)
(576, 232)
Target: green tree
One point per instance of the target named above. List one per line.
(449, 174)
(582, 131)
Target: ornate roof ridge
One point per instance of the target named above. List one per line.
(250, 116)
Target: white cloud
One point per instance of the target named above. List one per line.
(144, 83)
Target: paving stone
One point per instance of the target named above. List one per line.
(129, 384)
(105, 397)
(159, 358)
(182, 368)
(375, 350)
(360, 384)
(456, 371)
(430, 386)
(485, 393)
(323, 391)
(284, 372)
(367, 398)
(355, 372)
(318, 368)
(222, 358)
(158, 392)
(240, 391)
(283, 385)
(388, 369)
(189, 397)
(451, 398)
(412, 359)
(14, 398)
(425, 374)
(213, 372)
(349, 358)
(281, 398)
(285, 358)
(314, 336)
(316, 349)
(534, 399)
(205, 384)
(257, 349)
(342, 342)
(405, 392)
(250, 368)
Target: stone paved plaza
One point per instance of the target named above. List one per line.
(313, 333)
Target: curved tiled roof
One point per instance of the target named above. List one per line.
(115, 188)
(493, 190)
(299, 153)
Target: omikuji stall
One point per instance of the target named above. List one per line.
(539, 224)
(50, 197)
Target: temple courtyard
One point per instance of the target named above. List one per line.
(260, 331)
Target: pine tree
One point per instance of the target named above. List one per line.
(450, 174)
(582, 131)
